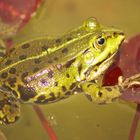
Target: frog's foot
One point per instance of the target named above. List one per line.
(9, 108)
(129, 82)
(100, 95)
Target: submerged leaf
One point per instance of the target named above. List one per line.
(2, 136)
(8, 30)
(127, 64)
(15, 10)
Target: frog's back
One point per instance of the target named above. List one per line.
(36, 54)
(32, 57)
(44, 65)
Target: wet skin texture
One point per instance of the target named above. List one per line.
(46, 70)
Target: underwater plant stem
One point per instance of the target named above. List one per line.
(45, 123)
(134, 123)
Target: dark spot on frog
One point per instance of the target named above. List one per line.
(26, 93)
(100, 94)
(12, 81)
(12, 70)
(52, 94)
(2, 54)
(65, 50)
(36, 69)
(23, 76)
(93, 81)
(43, 82)
(8, 62)
(79, 68)
(4, 75)
(69, 63)
(50, 61)
(50, 74)
(108, 89)
(37, 61)
(73, 85)
(56, 58)
(68, 93)
(44, 48)
(41, 98)
(58, 41)
(25, 46)
(67, 75)
(115, 33)
(64, 88)
(89, 97)
(21, 57)
(56, 84)
(69, 38)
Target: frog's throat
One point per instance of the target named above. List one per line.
(109, 59)
(101, 67)
(105, 65)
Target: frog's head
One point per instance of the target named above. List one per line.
(103, 45)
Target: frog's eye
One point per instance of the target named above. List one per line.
(100, 41)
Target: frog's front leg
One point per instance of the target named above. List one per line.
(129, 82)
(100, 94)
(9, 107)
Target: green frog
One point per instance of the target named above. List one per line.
(46, 70)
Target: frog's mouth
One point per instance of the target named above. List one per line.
(109, 60)
(102, 66)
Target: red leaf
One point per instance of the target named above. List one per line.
(15, 10)
(127, 65)
(130, 56)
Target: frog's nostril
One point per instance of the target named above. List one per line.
(118, 33)
(115, 33)
(121, 33)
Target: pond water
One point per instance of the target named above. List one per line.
(76, 118)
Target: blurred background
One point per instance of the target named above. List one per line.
(76, 118)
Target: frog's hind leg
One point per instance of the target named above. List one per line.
(9, 107)
(100, 94)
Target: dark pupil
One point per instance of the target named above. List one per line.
(101, 41)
